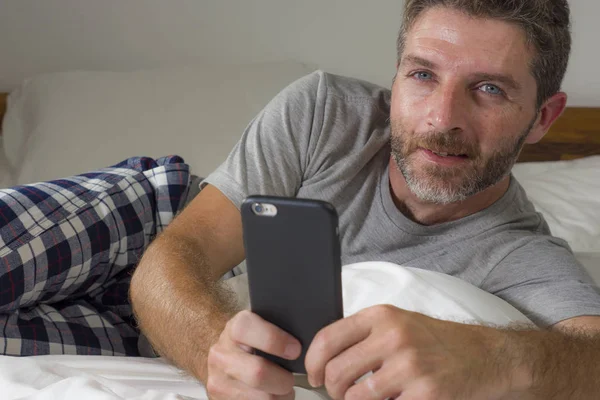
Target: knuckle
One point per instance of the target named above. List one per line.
(430, 389)
(322, 340)
(213, 358)
(333, 375)
(412, 359)
(211, 385)
(258, 373)
(386, 310)
(394, 339)
(411, 365)
(381, 311)
(227, 331)
(216, 357)
(214, 388)
(237, 325)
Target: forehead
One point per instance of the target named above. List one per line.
(457, 40)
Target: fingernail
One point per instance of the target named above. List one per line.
(292, 351)
(311, 381)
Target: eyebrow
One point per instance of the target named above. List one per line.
(416, 60)
(506, 80)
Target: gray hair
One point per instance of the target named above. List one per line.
(546, 24)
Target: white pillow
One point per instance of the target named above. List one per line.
(65, 123)
(567, 193)
(428, 292)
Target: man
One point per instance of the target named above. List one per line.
(421, 179)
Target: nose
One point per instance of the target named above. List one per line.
(447, 109)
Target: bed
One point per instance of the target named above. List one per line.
(61, 124)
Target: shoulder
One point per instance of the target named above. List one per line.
(353, 89)
(338, 91)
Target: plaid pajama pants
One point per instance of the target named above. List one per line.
(67, 251)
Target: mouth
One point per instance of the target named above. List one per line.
(446, 154)
(443, 158)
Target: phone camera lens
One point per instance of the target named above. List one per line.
(257, 208)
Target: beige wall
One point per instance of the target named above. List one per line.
(352, 37)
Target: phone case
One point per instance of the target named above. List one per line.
(294, 268)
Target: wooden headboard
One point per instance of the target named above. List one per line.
(575, 134)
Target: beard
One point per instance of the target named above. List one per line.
(439, 184)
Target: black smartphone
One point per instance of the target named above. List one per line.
(294, 267)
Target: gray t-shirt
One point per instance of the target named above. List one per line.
(327, 137)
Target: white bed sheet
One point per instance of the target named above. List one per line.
(94, 377)
(364, 284)
(567, 193)
(101, 378)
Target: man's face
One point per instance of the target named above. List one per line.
(463, 102)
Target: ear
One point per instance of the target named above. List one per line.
(549, 112)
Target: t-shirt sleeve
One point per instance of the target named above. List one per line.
(273, 153)
(544, 281)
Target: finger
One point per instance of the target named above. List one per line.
(225, 388)
(248, 329)
(331, 341)
(388, 382)
(356, 361)
(252, 370)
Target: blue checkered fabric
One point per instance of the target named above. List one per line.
(67, 251)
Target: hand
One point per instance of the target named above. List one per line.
(235, 373)
(412, 356)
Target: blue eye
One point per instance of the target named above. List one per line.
(491, 89)
(423, 76)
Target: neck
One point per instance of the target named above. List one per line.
(426, 213)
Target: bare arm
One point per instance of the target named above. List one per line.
(561, 363)
(175, 293)
(414, 356)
